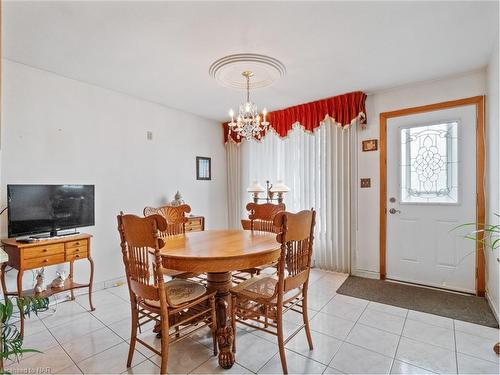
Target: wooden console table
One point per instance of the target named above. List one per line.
(38, 254)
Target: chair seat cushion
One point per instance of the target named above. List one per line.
(262, 287)
(179, 292)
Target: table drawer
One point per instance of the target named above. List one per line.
(77, 243)
(76, 256)
(76, 250)
(193, 228)
(44, 261)
(43, 251)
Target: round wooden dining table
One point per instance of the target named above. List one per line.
(217, 253)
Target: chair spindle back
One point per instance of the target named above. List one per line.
(261, 215)
(140, 244)
(296, 237)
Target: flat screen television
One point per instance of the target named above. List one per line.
(36, 209)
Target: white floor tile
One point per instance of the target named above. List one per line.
(204, 337)
(324, 346)
(184, 356)
(427, 356)
(294, 317)
(352, 359)
(212, 367)
(436, 320)
(80, 326)
(331, 370)
(317, 298)
(388, 309)
(473, 365)
(381, 320)
(42, 341)
(331, 325)
(288, 329)
(73, 369)
(63, 313)
(296, 364)
(430, 334)
(111, 313)
(110, 361)
(99, 298)
(477, 330)
(338, 307)
(93, 343)
(476, 346)
(399, 367)
(352, 300)
(120, 291)
(374, 339)
(51, 361)
(253, 352)
(146, 367)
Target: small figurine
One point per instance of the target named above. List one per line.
(177, 199)
(58, 282)
(40, 281)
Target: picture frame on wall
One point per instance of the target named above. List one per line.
(370, 145)
(203, 168)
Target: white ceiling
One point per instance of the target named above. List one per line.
(161, 51)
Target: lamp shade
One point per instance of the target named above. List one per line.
(255, 187)
(279, 187)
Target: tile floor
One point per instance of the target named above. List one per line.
(350, 335)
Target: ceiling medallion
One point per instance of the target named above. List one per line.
(227, 70)
(263, 71)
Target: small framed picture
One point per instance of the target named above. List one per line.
(370, 145)
(203, 168)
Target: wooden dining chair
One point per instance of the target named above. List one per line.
(260, 218)
(261, 301)
(176, 220)
(180, 306)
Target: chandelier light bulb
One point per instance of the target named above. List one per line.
(249, 122)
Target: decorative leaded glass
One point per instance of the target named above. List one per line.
(429, 165)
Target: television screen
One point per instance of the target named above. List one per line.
(34, 209)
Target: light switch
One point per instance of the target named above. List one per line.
(366, 182)
(149, 135)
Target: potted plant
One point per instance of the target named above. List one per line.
(489, 236)
(11, 341)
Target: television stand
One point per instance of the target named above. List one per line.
(38, 254)
(53, 234)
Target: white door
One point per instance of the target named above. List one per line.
(431, 189)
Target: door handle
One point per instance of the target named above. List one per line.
(394, 211)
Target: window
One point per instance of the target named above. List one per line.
(429, 165)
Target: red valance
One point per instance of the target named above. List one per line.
(342, 109)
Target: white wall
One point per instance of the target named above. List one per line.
(493, 171)
(58, 130)
(366, 254)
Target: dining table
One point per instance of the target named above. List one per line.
(218, 253)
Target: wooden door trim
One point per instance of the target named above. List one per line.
(478, 102)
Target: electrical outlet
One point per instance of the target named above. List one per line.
(366, 182)
(149, 135)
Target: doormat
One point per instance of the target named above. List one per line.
(451, 305)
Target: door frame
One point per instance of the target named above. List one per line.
(478, 102)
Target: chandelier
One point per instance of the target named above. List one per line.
(249, 123)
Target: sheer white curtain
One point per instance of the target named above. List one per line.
(317, 167)
(234, 180)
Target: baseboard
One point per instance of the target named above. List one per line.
(492, 306)
(366, 274)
